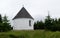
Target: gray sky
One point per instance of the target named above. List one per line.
(37, 8)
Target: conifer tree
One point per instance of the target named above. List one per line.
(1, 23)
(0, 18)
(6, 24)
(48, 22)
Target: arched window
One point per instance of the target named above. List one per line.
(29, 22)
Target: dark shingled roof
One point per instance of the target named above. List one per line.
(23, 14)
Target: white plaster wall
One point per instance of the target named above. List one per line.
(23, 24)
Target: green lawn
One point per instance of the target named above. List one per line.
(30, 34)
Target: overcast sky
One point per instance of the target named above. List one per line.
(37, 8)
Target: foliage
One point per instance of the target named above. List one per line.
(40, 25)
(4, 24)
(49, 24)
(0, 18)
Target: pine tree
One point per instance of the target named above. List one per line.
(0, 18)
(5, 19)
(48, 22)
(6, 24)
(1, 24)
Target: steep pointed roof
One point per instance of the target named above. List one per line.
(23, 14)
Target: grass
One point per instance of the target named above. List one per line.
(30, 34)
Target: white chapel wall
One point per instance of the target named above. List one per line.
(23, 24)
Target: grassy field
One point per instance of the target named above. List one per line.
(30, 34)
